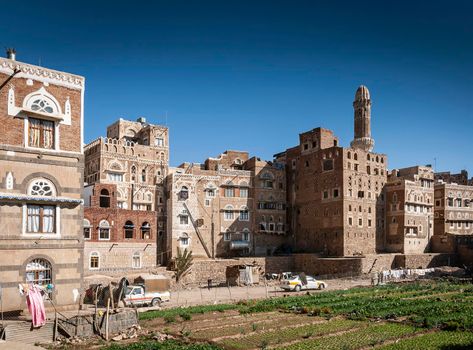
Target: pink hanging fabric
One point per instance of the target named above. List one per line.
(35, 302)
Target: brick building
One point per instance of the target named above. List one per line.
(461, 178)
(409, 210)
(453, 220)
(210, 207)
(41, 156)
(125, 216)
(269, 224)
(335, 195)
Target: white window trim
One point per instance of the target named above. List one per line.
(37, 235)
(26, 134)
(109, 233)
(225, 236)
(132, 261)
(90, 256)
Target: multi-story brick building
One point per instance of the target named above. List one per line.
(125, 216)
(335, 195)
(41, 157)
(409, 210)
(210, 207)
(270, 234)
(461, 178)
(453, 219)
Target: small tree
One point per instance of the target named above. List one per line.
(184, 261)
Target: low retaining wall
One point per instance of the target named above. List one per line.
(83, 325)
(312, 264)
(205, 269)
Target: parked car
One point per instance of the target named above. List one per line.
(138, 296)
(295, 283)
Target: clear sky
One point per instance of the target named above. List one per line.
(253, 75)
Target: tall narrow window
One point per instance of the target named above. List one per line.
(86, 229)
(129, 230)
(228, 213)
(104, 198)
(244, 214)
(94, 261)
(41, 133)
(104, 230)
(143, 175)
(145, 231)
(244, 192)
(136, 260)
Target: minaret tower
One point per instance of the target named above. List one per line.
(362, 107)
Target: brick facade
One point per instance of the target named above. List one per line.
(41, 158)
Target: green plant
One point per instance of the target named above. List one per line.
(170, 318)
(183, 263)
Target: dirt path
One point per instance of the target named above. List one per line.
(219, 295)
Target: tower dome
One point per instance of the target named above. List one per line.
(362, 93)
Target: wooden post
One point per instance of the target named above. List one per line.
(266, 287)
(111, 294)
(106, 320)
(55, 326)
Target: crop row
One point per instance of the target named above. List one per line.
(432, 341)
(284, 335)
(250, 327)
(370, 336)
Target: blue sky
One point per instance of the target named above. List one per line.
(252, 75)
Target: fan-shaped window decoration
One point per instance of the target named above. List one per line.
(42, 105)
(39, 271)
(42, 187)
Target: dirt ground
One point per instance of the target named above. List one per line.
(219, 295)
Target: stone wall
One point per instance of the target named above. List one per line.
(216, 270)
(423, 261)
(119, 321)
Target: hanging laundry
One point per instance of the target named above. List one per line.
(34, 300)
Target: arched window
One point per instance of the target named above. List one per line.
(368, 156)
(145, 230)
(94, 261)
(183, 193)
(39, 271)
(87, 227)
(104, 230)
(355, 156)
(104, 198)
(244, 214)
(136, 260)
(41, 218)
(184, 240)
(42, 105)
(228, 213)
(129, 229)
(349, 155)
(246, 235)
(143, 175)
(133, 173)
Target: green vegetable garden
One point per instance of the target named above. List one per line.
(427, 315)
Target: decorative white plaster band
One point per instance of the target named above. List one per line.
(28, 71)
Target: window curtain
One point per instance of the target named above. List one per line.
(35, 132)
(48, 219)
(48, 134)
(33, 218)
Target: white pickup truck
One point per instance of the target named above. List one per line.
(138, 296)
